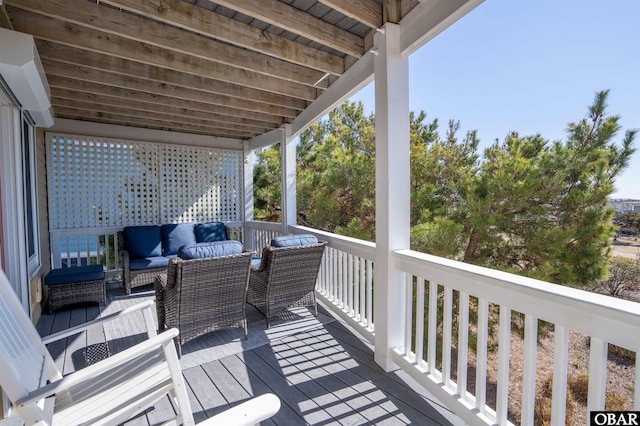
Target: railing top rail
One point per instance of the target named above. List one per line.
(614, 320)
(269, 226)
(361, 248)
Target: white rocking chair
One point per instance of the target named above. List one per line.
(107, 392)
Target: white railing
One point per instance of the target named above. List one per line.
(259, 234)
(442, 293)
(345, 281)
(75, 247)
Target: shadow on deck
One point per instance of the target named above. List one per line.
(323, 375)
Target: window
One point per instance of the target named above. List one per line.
(30, 194)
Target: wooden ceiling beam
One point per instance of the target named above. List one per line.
(166, 114)
(296, 21)
(72, 89)
(367, 12)
(207, 23)
(73, 98)
(83, 75)
(127, 120)
(144, 72)
(74, 35)
(126, 25)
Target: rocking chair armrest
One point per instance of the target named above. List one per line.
(98, 321)
(248, 413)
(90, 372)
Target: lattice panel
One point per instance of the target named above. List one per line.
(200, 184)
(96, 183)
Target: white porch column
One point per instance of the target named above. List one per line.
(392, 189)
(248, 195)
(288, 165)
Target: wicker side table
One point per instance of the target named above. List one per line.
(75, 285)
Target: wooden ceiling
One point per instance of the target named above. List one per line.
(233, 68)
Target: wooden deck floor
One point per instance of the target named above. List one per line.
(323, 376)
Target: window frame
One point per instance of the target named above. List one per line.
(30, 194)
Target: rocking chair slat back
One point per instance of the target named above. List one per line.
(25, 360)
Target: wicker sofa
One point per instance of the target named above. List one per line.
(146, 249)
(287, 275)
(204, 289)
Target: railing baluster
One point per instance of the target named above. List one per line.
(362, 281)
(370, 323)
(345, 282)
(447, 330)
(463, 344)
(338, 276)
(504, 346)
(529, 369)
(408, 314)
(597, 374)
(420, 321)
(481, 355)
(433, 326)
(559, 389)
(349, 276)
(341, 292)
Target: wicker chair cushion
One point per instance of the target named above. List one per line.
(210, 231)
(294, 240)
(74, 275)
(214, 249)
(176, 235)
(142, 241)
(149, 262)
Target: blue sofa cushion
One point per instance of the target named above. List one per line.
(294, 240)
(74, 275)
(176, 235)
(142, 241)
(256, 261)
(149, 262)
(208, 232)
(213, 249)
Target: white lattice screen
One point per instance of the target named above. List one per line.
(96, 183)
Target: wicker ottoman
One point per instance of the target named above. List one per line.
(75, 285)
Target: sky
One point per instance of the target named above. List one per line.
(532, 66)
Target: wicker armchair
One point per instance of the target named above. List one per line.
(198, 296)
(286, 278)
(135, 278)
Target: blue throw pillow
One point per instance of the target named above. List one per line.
(210, 231)
(213, 249)
(142, 241)
(294, 240)
(176, 235)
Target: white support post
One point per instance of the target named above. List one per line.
(392, 189)
(288, 164)
(247, 233)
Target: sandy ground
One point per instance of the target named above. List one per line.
(626, 247)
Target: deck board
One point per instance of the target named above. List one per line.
(323, 376)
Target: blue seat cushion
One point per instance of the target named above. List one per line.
(149, 262)
(74, 275)
(213, 249)
(210, 231)
(256, 261)
(176, 235)
(294, 240)
(142, 241)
